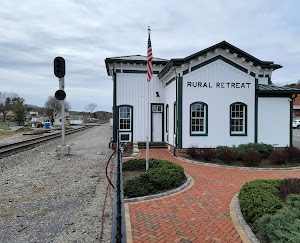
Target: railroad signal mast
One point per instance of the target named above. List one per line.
(60, 71)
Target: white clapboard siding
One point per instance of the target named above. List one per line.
(218, 101)
(132, 90)
(169, 99)
(274, 121)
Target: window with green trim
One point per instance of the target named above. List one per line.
(238, 116)
(198, 118)
(125, 118)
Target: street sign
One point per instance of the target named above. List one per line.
(60, 94)
(59, 67)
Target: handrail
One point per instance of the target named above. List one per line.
(118, 229)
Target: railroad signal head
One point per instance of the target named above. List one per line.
(60, 95)
(59, 67)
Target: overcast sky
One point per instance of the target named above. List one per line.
(34, 32)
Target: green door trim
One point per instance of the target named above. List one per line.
(162, 121)
(179, 117)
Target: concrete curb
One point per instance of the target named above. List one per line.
(239, 223)
(163, 194)
(236, 167)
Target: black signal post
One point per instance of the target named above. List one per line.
(60, 71)
(59, 67)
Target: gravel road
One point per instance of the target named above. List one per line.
(44, 198)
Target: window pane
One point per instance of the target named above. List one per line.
(198, 113)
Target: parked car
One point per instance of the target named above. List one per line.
(296, 124)
(35, 124)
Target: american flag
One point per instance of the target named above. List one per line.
(149, 60)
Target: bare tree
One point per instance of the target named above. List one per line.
(91, 107)
(7, 101)
(53, 107)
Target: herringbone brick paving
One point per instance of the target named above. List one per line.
(200, 214)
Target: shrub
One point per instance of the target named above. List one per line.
(134, 165)
(194, 152)
(251, 158)
(226, 154)
(138, 187)
(292, 154)
(163, 175)
(290, 186)
(279, 157)
(284, 225)
(260, 197)
(263, 149)
(209, 154)
(140, 164)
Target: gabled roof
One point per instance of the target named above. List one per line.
(133, 59)
(222, 45)
(272, 89)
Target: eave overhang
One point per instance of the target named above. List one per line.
(222, 45)
(120, 60)
(276, 90)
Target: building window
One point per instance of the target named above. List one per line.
(125, 118)
(156, 108)
(198, 119)
(238, 119)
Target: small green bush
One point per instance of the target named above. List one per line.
(284, 226)
(260, 197)
(163, 175)
(140, 164)
(251, 158)
(138, 187)
(263, 149)
(134, 165)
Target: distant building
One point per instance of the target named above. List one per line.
(296, 107)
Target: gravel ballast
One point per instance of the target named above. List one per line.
(45, 198)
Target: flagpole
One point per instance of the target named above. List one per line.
(148, 125)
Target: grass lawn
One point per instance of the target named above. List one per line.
(6, 128)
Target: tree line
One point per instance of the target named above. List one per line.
(10, 101)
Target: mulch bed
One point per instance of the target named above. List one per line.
(264, 163)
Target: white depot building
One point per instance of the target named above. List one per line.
(218, 96)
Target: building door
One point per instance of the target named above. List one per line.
(157, 123)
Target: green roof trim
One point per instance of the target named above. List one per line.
(272, 89)
(133, 59)
(221, 45)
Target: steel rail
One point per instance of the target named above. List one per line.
(12, 148)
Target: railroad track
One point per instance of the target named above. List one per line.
(12, 148)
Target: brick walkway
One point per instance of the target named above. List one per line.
(199, 214)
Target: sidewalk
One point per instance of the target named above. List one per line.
(199, 214)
